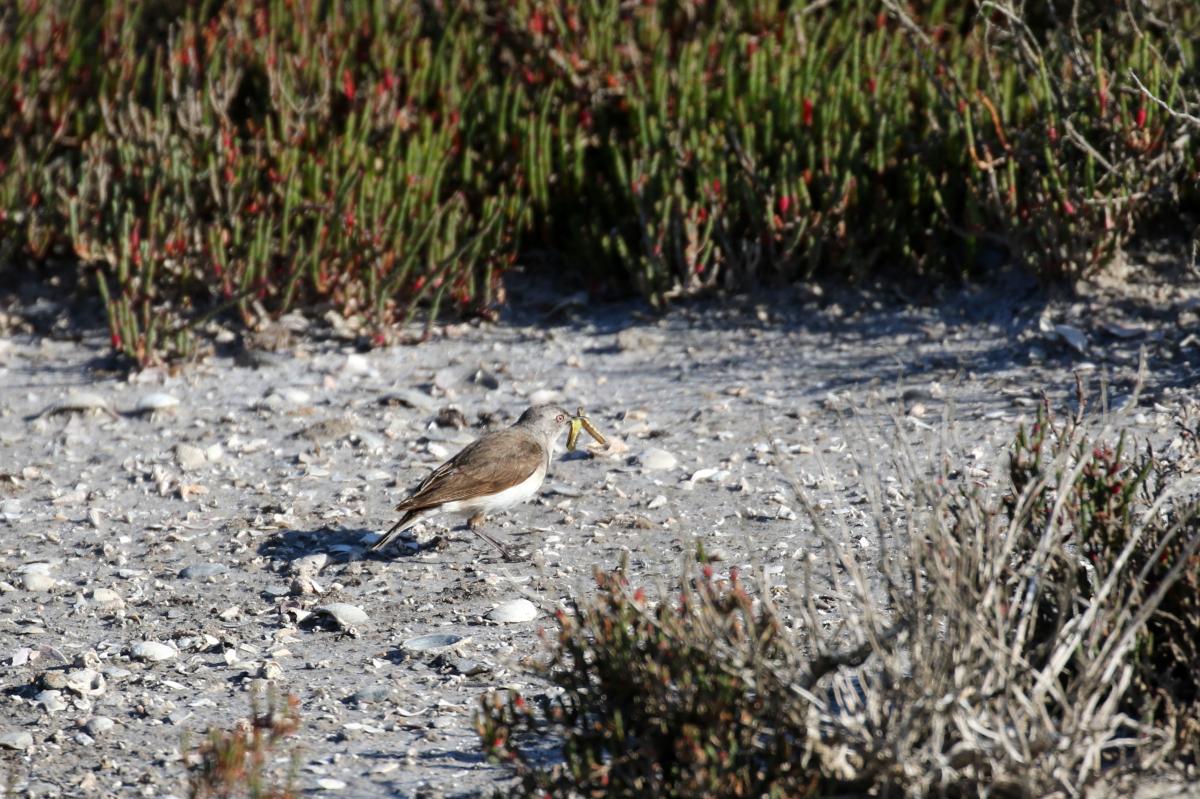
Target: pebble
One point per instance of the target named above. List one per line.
(657, 460)
(545, 396)
(330, 784)
(435, 642)
(107, 599)
(52, 701)
(285, 395)
(86, 682)
(513, 611)
(356, 364)
(370, 694)
(344, 614)
(10, 509)
(449, 377)
(409, 398)
(37, 581)
(190, 457)
(153, 651)
(471, 668)
(19, 741)
(201, 571)
(309, 565)
(154, 402)
(656, 503)
(99, 725)
(80, 402)
(636, 339)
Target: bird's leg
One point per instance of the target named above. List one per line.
(475, 522)
(504, 551)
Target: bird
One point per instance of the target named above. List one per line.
(497, 470)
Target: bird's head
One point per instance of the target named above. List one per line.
(545, 420)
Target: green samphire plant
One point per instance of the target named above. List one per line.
(242, 158)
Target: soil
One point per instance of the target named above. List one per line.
(217, 527)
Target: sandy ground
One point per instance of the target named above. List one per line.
(216, 527)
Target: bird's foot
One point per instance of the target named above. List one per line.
(475, 522)
(505, 552)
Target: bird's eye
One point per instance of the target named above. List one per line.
(561, 418)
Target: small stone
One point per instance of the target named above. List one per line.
(409, 398)
(657, 460)
(190, 457)
(309, 565)
(107, 599)
(545, 396)
(80, 402)
(155, 402)
(10, 509)
(434, 642)
(656, 503)
(153, 651)
(371, 694)
(471, 668)
(343, 614)
(99, 725)
(450, 417)
(202, 571)
(290, 395)
(54, 680)
(86, 682)
(52, 701)
(486, 379)
(449, 377)
(19, 741)
(356, 364)
(633, 339)
(513, 611)
(37, 581)
(330, 784)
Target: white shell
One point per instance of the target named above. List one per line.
(156, 401)
(86, 682)
(545, 396)
(516, 610)
(153, 651)
(81, 401)
(345, 614)
(435, 642)
(657, 460)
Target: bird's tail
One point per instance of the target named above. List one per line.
(406, 520)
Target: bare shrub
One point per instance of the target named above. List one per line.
(1014, 653)
(237, 763)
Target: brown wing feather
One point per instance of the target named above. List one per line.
(495, 462)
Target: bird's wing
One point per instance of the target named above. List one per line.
(489, 465)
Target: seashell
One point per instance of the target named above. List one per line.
(434, 642)
(153, 651)
(513, 611)
(155, 402)
(343, 614)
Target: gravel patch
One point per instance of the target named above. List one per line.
(174, 540)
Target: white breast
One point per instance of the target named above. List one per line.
(493, 502)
